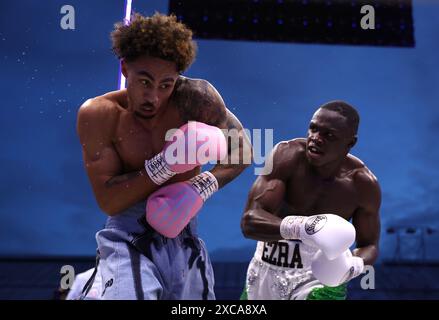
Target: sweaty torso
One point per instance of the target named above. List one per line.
(134, 143)
(309, 194)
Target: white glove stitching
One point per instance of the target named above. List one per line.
(158, 170)
(205, 184)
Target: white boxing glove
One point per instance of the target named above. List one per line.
(335, 272)
(329, 232)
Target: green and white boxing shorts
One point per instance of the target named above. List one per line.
(281, 270)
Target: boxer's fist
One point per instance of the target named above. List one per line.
(335, 272)
(194, 144)
(170, 209)
(329, 232)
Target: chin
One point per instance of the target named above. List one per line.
(144, 115)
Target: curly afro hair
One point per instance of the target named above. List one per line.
(159, 36)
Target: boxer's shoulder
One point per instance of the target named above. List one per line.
(98, 116)
(100, 108)
(291, 151)
(363, 178)
(198, 99)
(285, 156)
(358, 170)
(192, 84)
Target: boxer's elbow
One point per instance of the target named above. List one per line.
(107, 206)
(247, 154)
(246, 158)
(258, 224)
(242, 167)
(247, 224)
(107, 209)
(110, 200)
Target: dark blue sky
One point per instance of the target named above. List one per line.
(46, 203)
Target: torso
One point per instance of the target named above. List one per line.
(134, 143)
(308, 194)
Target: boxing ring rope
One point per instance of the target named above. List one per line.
(122, 80)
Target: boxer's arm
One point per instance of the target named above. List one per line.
(198, 100)
(239, 154)
(114, 191)
(366, 218)
(266, 198)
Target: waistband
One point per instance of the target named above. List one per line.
(133, 220)
(285, 254)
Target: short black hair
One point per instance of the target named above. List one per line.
(346, 110)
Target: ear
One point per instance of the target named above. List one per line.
(124, 68)
(353, 142)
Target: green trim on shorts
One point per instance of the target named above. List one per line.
(325, 293)
(244, 295)
(328, 293)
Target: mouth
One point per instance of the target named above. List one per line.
(314, 151)
(145, 111)
(147, 108)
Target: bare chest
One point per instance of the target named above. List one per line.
(308, 195)
(135, 144)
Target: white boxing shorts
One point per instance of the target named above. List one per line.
(281, 270)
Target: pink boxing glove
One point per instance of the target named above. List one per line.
(170, 209)
(194, 144)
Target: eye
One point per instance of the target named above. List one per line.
(144, 82)
(165, 86)
(312, 128)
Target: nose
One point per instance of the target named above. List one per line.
(316, 138)
(152, 97)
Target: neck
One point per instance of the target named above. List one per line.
(148, 123)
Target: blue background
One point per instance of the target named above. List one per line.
(46, 203)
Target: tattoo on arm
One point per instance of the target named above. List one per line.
(235, 164)
(233, 124)
(197, 100)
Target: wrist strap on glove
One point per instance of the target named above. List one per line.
(158, 170)
(290, 227)
(205, 184)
